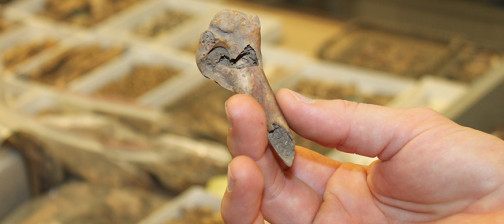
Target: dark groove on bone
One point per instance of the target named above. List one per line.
(220, 55)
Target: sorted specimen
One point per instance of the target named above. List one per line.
(162, 23)
(22, 52)
(140, 80)
(327, 90)
(74, 63)
(471, 63)
(84, 12)
(395, 49)
(229, 53)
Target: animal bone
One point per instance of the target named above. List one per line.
(229, 53)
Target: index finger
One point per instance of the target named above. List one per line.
(365, 129)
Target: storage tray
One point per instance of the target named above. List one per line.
(32, 11)
(365, 81)
(189, 12)
(162, 156)
(153, 94)
(30, 35)
(472, 63)
(393, 48)
(51, 60)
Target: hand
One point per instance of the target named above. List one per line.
(429, 169)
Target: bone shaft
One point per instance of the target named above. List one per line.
(260, 90)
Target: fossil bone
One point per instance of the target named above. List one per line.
(229, 53)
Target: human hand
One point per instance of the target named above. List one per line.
(429, 169)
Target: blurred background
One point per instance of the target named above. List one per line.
(105, 118)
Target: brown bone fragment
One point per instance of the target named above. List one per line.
(229, 53)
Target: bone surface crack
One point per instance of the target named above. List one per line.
(220, 55)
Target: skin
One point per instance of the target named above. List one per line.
(430, 170)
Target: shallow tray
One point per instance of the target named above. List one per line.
(30, 11)
(391, 47)
(127, 24)
(365, 81)
(30, 34)
(472, 63)
(76, 42)
(118, 69)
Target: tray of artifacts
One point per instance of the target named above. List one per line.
(74, 13)
(179, 162)
(111, 131)
(48, 101)
(72, 60)
(321, 80)
(473, 62)
(37, 100)
(328, 81)
(5, 23)
(156, 20)
(122, 149)
(81, 202)
(79, 157)
(195, 205)
(392, 48)
(140, 75)
(29, 43)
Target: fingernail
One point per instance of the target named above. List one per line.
(228, 115)
(231, 180)
(301, 98)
